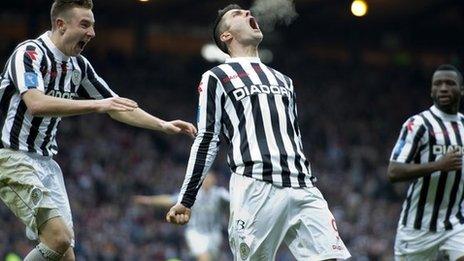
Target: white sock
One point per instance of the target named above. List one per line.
(43, 253)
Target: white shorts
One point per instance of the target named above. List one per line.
(412, 244)
(200, 243)
(263, 215)
(29, 182)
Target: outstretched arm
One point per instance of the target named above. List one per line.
(24, 68)
(162, 201)
(142, 119)
(39, 104)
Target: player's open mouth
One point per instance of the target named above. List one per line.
(253, 23)
(81, 44)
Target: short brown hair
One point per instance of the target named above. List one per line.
(218, 26)
(61, 6)
(450, 67)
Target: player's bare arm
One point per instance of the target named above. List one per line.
(142, 119)
(398, 172)
(178, 214)
(39, 104)
(162, 201)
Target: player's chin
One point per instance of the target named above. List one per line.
(77, 50)
(76, 53)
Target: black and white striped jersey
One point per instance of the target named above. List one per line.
(433, 202)
(253, 107)
(39, 64)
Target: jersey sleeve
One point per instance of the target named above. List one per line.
(205, 146)
(92, 85)
(411, 141)
(24, 68)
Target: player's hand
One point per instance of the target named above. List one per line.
(450, 161)
(142, 200)
(116, 104)
(178, 214)
(178, 126)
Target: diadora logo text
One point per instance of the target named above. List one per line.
(443, 149)
(245, 91)
(61, 94)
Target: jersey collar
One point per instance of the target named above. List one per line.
(443, 115)
(243, 59)
(56, 52)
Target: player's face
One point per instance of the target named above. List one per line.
(446, 91)
(79, 30)
(243, 27)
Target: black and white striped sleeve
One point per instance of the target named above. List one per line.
(92, 85)
(205, 146)
(24, 68)
(411, 140)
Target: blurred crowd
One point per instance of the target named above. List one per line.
(350, 115)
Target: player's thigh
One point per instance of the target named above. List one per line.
(454, 246)
(21, 188)
(55, 183)
(257, 223)
(313, 234)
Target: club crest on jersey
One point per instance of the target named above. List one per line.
(76, 77)
(443, 149)
(245, 91)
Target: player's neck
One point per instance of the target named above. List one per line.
(244, 51)
(57, 41)
(452, 110)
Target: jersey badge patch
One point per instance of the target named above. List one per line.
(30, 79)
(76, 77)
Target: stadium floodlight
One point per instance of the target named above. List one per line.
(359, 8)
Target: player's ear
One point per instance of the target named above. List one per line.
(226, 36)
(60, 25)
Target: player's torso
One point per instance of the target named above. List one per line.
(254, 91)
(259, 120)
(62, 78)
(22, 131)
(434, 201)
